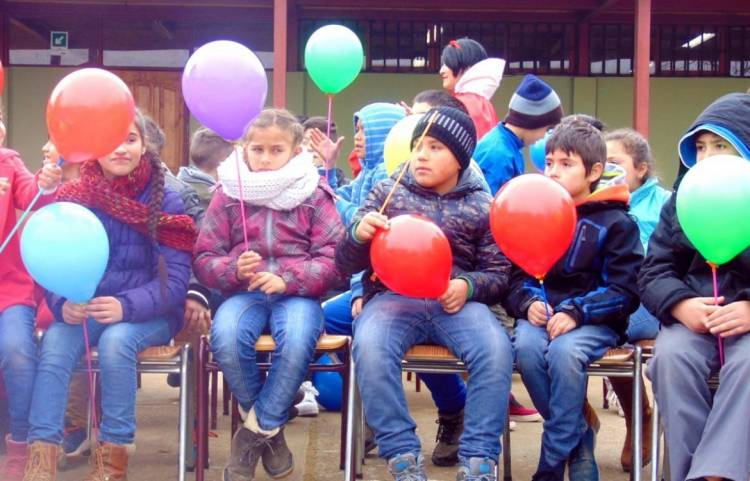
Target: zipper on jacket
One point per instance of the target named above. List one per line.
(269, 241)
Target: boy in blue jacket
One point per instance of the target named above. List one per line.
(591, 291)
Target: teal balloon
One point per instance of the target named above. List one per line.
(65, 249)
(333, 58)
(712, 205)
(537, 152)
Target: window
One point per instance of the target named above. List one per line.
(611, 49)
(146, 43)
(739, 51)
(688, 51)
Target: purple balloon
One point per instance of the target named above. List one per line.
(225, 87)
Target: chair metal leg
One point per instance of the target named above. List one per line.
(655, 445)
(346, 359)
(507, 471)
(350, 469)
(185, 393)
(214, 399)
(605, 391)
(202, 408)
(225, 394)
(637, 413)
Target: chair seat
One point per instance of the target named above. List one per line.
(150, 354)
(424, 352)
(616, 355)
(326, 342)
(647, 345)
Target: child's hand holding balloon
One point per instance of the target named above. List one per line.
(50, 177)
(74, 313)
(105, 310)
(369, 225)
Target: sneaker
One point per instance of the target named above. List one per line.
(450, 427)
(407, 467)
(512, 425)
(582, 463)
(308, 406)
(522, 414)
(476, 469)
(277, 458)
(298, 397)
(76, 442)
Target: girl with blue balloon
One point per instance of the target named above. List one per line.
(116, 276)
(17, 348)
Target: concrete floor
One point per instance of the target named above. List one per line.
(315, 442)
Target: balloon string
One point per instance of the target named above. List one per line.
(25, 214)
(328, 127)
(405, 167)
(242, 200)
(92, 387)
(716, 303)
(544, 297)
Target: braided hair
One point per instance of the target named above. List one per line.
(156, 196)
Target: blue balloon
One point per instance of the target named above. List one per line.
(65, 249)
(329, 385)
(537, 152)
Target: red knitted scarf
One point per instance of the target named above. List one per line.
(117, 198)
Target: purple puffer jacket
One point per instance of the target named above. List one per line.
(297, 245)
(132, 274)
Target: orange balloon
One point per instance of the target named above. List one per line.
(413, 257)
(533, 220)
(89, 114)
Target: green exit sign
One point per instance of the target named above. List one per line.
(58, 41)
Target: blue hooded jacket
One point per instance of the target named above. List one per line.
(646, 203)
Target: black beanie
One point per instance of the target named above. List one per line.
(453, 128)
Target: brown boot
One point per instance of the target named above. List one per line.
(109, 462)
(623, 387)
(42, 463)
(15, 460)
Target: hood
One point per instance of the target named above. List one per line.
(482, 78)
(194, 174)
(612, 187)
(727, 117)
(377, 120)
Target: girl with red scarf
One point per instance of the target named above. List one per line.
(139, 303)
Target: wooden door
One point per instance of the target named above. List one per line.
(159, 94)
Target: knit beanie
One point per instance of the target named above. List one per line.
(534, 105)
(453, 128)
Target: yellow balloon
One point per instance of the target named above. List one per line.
(397, 148)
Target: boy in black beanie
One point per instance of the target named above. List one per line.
(438, 186)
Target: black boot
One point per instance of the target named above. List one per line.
(450, 427)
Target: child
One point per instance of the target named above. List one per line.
(533, 109)
(315, 130)
(706, 435)
(273, 283)
(590, 293)
(138, 303)
(440, 187)
(207, 151)
(472, 78)
(18, 352)
(629, 150)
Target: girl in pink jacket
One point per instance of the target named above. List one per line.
(273, 274)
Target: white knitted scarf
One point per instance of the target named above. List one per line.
(282, 189)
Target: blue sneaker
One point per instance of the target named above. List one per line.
(407, 467)
(582, 463)
(476, 469)
(76, 442)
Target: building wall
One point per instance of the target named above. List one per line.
(674, 103)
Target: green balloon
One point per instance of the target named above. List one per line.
(712, 206)
(333, 58)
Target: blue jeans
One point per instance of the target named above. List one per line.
(118, 346)
(448, 390)
(295, 324)
(388, 326)
(554, 373)
(18, 361)
(642, 325)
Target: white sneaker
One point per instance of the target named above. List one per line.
(511, 425)
(308, 407)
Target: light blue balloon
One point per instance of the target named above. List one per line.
(65, 249)
(537, 152)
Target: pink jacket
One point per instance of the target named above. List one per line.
(297, 245)
(18, 288)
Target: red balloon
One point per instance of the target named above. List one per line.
(413, 257)
(89, 114)
(533, 220)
